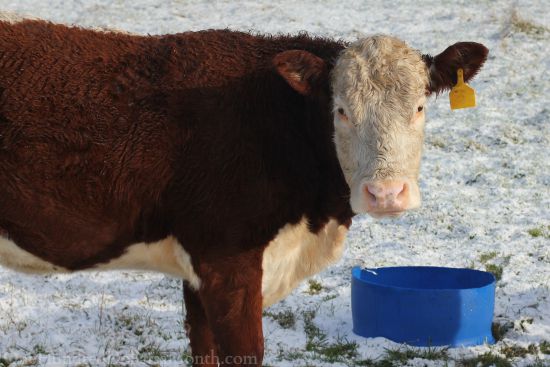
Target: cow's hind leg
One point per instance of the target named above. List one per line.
(232, 299)
(203, 345)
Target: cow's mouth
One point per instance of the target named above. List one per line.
(386, 214)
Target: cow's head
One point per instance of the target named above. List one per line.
(379, 88)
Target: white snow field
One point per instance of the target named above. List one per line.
(485, 181)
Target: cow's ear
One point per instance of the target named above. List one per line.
(302, 70)
(468, 56)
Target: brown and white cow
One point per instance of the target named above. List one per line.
(230, 160)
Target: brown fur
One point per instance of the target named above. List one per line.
(111, 139)
(469, 56)
(216, 138)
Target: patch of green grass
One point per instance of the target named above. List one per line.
(7, 362)
(514, 351)
(315, 338)
(286, 319)
(365, 362)
(152, 352)
(539, 232)
(319, 347)
(18, 362)
(329, 297)
(341, 350)
(483, 258)
(535, 232)
(402, 355)
(125, 321)
(292, 355)
(378, 363)
(39, 349)
(187, 358)
(544, 347)
(131, 323)
(532, 349)
(314, 287)
(496, 270)
(373, 363)
(111, 364)
(485, 360)
(317, 342)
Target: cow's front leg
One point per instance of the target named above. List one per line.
(232, 297)
(203, 345)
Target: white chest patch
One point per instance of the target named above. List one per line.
(166, 256)
(296, 254)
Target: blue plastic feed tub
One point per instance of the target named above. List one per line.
(423, 305)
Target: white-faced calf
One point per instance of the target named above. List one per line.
(230, 160)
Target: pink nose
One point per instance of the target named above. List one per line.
(387, 196)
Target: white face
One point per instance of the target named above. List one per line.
(379, 90)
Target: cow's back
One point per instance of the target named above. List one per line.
(82, 156)
(111, 139)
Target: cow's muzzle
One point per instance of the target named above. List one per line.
(388, 198)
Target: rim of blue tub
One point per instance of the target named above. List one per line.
(357, 270)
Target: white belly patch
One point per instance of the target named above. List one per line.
(165, 256)
(14, 257)
(296, 254)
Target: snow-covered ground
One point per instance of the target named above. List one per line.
(485, 181)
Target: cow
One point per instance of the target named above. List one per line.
(231, 160)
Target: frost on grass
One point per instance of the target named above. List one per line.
(484, 179)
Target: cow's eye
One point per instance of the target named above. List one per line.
(420, 108)
(342, 114)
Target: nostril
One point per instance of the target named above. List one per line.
(370, 193)
(403, 193)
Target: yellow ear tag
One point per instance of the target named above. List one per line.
(462, 95)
